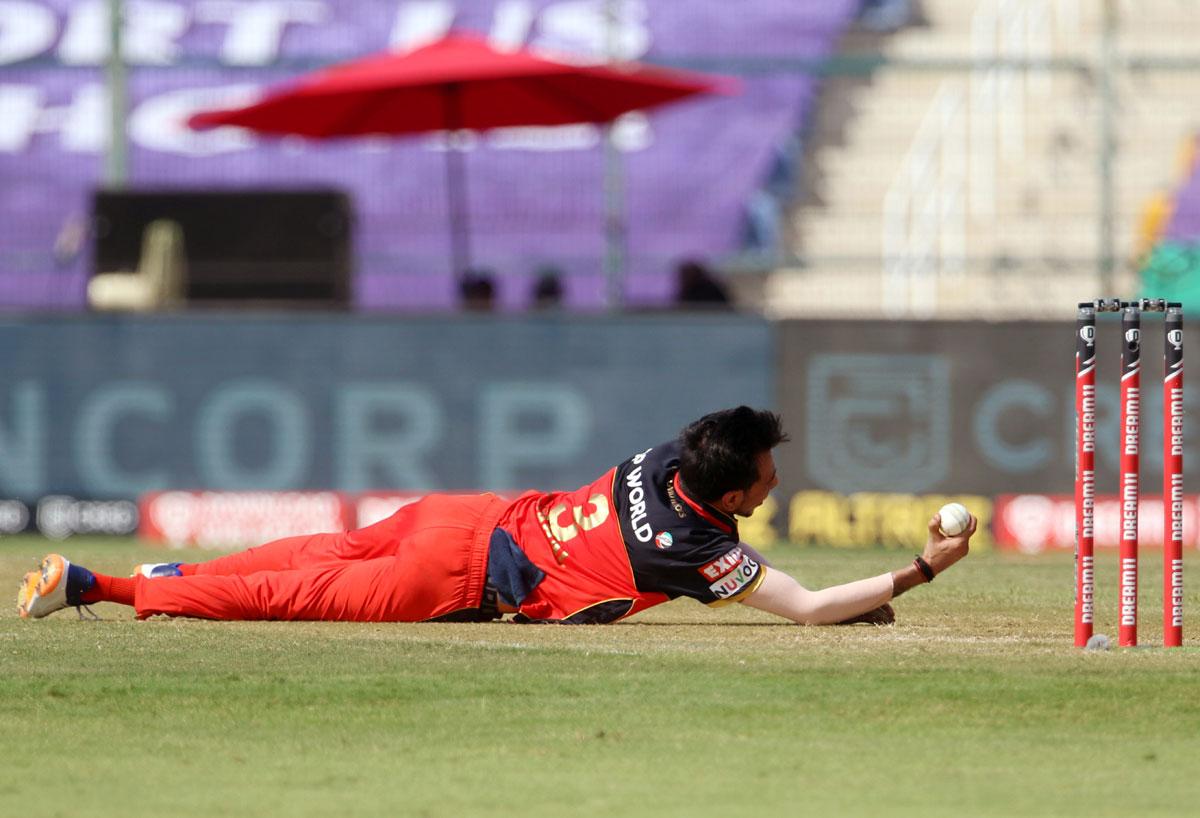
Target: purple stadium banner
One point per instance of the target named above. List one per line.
(535, 195)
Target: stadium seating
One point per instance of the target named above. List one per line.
(979, 191)
(932, 187)
(157, 283)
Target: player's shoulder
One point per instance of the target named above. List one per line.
(699, 562)
(641, 495)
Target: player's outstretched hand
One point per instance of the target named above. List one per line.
(942, 551)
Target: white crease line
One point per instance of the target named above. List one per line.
(523, 646)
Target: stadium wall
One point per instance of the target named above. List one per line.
(109, 408)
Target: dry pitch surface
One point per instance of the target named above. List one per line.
(973, 704)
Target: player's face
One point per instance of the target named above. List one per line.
(768, 479)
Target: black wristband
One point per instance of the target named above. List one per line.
(925, 568)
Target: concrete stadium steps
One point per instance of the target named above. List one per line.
(1073, 192)
(1045, 206)
(849, 291)
(1060, 237)
(1072, 28)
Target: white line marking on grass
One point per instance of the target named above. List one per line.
(528, 646)
(962, 640)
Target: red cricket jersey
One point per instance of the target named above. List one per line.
(631, 540)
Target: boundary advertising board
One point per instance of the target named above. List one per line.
(891, 419)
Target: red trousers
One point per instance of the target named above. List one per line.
(426, 560)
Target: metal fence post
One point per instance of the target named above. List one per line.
(116, 159)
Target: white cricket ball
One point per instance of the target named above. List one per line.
(955, 519)
(1098, 642)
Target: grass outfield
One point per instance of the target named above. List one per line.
(973, 704)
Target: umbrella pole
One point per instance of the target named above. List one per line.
(615, 237)
(614, 183)
(456, 185)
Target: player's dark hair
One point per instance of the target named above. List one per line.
(718, 452)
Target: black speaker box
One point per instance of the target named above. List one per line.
(272, 247)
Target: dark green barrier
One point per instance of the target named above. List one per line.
(955, 407)
(112, 407)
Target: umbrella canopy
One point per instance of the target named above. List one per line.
(459, 82)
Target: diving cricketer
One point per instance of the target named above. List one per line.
(660, 525)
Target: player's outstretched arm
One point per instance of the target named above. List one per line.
(782, 595)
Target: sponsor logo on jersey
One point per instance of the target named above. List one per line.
(742, 575)
(722, 565)
(664, 540)
(637, 502)
(673, 499)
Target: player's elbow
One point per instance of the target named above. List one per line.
(811, 618)
(781, 595)
(806, 610)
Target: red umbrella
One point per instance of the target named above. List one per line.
(459, 82)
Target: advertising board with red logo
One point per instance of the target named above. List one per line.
(233, 519)
(1035, 523)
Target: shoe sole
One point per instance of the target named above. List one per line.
(39, 584)
(27, 593)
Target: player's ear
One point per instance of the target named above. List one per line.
(731, 501)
